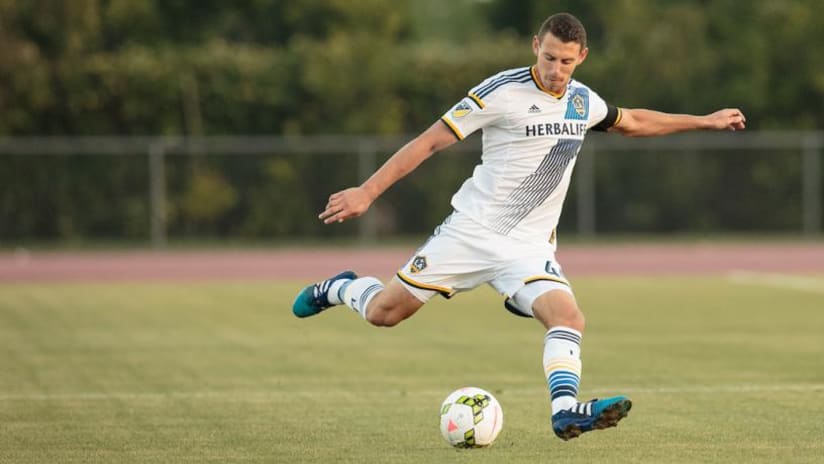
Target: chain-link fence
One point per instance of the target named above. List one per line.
(156, 188)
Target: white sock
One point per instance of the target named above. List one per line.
(562, 366)
(359, 292)
(335, 296)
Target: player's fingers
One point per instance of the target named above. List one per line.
(328, 212)
(337, 217)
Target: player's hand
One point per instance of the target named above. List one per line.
(727, 119)
(346, 204)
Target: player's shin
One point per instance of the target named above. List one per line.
(562, 366)
(359, 292)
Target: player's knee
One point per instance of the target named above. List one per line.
(579, 321)
(571, 316)
(553, 314)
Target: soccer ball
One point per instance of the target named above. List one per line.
(471, 418)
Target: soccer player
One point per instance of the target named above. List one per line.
(502, 230)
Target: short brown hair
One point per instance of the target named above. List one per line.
(565, 27)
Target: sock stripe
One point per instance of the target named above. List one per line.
(563, 383)
(563, 392)
(560, 378)
(367, 294)
(342, 289)
(561, 334)
(567, 365)
(564, 337)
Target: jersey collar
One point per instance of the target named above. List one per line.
(540, 85)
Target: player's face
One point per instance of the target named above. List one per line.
(557, 61)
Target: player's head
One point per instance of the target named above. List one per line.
(560, 46)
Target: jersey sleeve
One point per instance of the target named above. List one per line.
(603, 115)
(472, 113)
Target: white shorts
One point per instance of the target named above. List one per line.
(462, 254)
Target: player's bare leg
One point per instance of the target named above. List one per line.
(558, 311)
(392, 305)
(379, 305)
(558, 308)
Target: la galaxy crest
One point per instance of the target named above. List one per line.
(578, 104)
(418, 264)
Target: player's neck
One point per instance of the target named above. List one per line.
(539, 83)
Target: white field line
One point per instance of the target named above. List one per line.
(775, 280)
(263, 396)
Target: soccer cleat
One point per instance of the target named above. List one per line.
(594, 415)
(315, 298)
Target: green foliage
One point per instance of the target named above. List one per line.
(183, 67)
(207, 197)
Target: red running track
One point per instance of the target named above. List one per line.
(314, 264)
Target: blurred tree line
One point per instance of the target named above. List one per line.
(184, 67)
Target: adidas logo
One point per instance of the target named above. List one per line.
(534, 109)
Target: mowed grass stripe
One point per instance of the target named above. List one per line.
(222, 372)
(257, 396)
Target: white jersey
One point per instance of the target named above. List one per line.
(531, 139)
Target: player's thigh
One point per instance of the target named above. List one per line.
(459, 256)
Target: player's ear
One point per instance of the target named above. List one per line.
(583, 55)
(536, 45)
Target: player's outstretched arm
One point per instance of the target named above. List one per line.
(647, 123)
(353, 202)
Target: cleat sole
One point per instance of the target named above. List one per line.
(572, 431)
(609, 417)
(613, 414)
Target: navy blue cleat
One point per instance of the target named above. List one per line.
(315, 298)
(594, 415)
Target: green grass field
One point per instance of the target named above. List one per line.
(222, 372)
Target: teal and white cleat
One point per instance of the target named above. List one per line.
(315, 298)
(593, 415)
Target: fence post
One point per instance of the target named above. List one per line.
(368, 223)
(585, 172)
(157, 195)
(811, 185)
